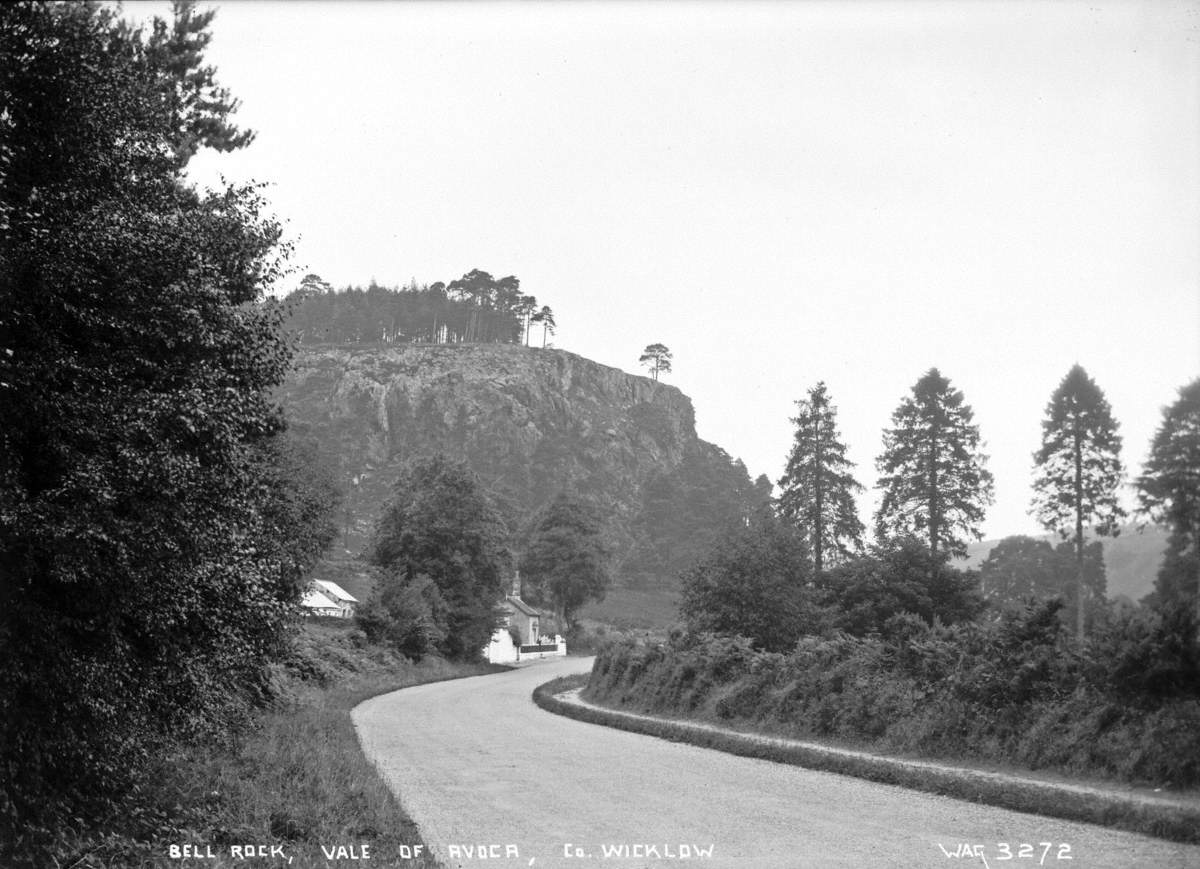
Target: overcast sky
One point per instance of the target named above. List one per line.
(780, 193)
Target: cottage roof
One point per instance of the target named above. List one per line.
(315, 600)
(521, 607)
(335, 591)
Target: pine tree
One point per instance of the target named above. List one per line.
(1169, 492)
(817, 489)
(657, 358)
(1078, 470)
(932, 471)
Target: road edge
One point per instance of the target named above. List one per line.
(1174, 823)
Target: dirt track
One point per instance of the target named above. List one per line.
(476, 763)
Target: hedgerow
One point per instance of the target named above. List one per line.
(1125, 705)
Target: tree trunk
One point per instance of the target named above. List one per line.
(818, 529)
(934, 514)
(1079, 587)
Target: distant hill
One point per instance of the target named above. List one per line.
(1131, 559)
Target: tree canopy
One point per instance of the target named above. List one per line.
(1078, 470)
(476, 308)
(901, 577)
(933, 474)
(818, 487)
(1021, 568)
(755, 581)
(566, 561)
(1169, 492)
(152, 531)
(440, 525)
(657, 358)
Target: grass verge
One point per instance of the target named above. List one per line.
(1173, 822)
(296, 785)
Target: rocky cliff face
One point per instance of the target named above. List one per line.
(531, 423)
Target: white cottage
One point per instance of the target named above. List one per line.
(317, 604)
(342, 598)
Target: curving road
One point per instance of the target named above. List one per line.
(494, 781)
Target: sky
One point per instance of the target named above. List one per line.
(781, 193)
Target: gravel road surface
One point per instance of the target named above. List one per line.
(494, 781)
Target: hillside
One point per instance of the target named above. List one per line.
(530, 423)
(1131, 559)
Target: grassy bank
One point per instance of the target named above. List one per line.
(1016, 694)
(1179, 823)
(1125, 707)
(296, 781)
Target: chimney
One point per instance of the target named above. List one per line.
(516, 585)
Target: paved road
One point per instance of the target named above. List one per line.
(494, 781)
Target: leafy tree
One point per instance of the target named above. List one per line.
(657, 358)
(301, 500)
(817, 489)
(933, 475)
(408, 615)
(904, 577)
(1019, 568)
(566, 561)
(1169, 492)
(150, 538)
(755, 582)
(1078, 470)
(440, 524)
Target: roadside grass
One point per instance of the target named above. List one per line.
(297, 781)
(1171, 821)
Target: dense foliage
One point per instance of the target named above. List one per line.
(152, 533)
(474, 308)
(755, 581)
(816, 492)
(1169, 492)
(932, 470)
(1078, 471)
(566, 563)
(686, 508)
(1021, 568)
(899, 579)
(1017, 690)
(445, 558)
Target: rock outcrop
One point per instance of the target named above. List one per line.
(531, 423)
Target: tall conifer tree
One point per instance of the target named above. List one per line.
(932, 470)
(818, 487)
(1078, 470)
(1169, 492)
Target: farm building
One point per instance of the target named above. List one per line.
(342, 598)
(317, 604)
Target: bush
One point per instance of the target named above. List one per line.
(754, 582)
(1016, 689)
(900, 578)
